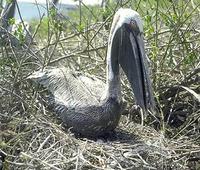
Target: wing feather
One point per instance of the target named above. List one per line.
(69, 89)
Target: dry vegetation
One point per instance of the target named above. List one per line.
(32, 138)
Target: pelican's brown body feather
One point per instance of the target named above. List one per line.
(77, 100)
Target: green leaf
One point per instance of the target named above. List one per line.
(11, 21)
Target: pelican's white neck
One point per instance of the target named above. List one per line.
(113, 77)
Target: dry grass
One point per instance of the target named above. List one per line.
(39, 143)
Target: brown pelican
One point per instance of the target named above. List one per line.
(89, 106)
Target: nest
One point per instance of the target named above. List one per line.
(39, 142)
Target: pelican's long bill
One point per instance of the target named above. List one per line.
(127, 31)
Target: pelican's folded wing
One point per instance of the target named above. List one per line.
(69, 89)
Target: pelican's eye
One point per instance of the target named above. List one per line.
(133, 24)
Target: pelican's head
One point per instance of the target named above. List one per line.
(127, 17)
(126, 47)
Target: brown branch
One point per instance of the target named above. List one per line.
(77, 53)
